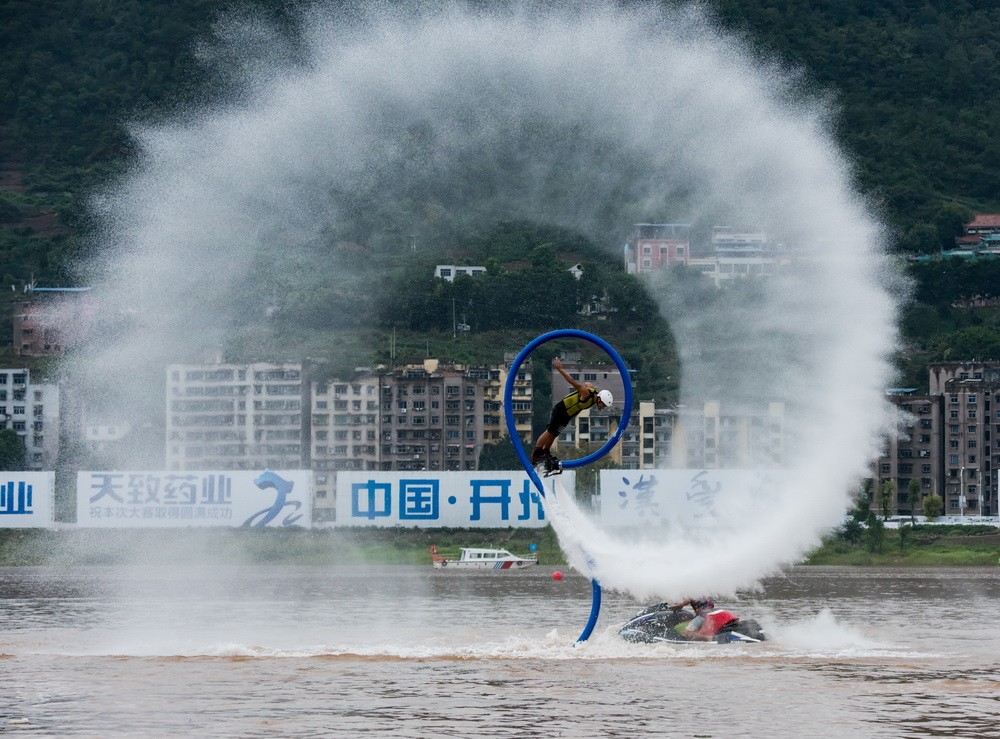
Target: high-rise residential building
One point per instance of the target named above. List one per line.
(237, 416)
(345, 423)
(970, 420)
(419, 417)
(522, 399)
(709, 437)
(969, 487)
(913, 451)
(714, 436)
(949, 440)
(648, 441)
(494, 426)
(31, 410)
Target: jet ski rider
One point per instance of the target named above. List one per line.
(694, 628)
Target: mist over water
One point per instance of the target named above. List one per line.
(367, 131)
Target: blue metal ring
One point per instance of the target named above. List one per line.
(508, 392)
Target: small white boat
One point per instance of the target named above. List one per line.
(484, 559)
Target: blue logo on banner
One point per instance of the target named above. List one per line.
(14, 501)
(282, 488)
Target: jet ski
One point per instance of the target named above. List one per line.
(661, 623)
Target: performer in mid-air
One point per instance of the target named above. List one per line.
(584, 395)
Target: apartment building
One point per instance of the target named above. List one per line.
(237, 417)
(419, 417)
(32, 411)
(522, 400)
(715, 436)
(948, 439)
(648, 441)
(970, 408)
(345, 423)
(494, 426)
(913, 451)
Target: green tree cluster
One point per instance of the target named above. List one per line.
(915, 88)
(13, 453)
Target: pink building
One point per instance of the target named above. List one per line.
(54, 319)
(655, 244)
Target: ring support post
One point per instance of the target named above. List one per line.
(568, 333)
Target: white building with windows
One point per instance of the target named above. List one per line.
(32, 411)
(237, 417)
(450, 271)
(345, 433)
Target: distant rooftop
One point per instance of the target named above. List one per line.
(984, 220)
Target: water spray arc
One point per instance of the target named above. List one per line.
(568, 333)
(354, 131)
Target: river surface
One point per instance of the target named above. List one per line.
(414, 652)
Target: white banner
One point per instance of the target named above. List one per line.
(691, 498)
(487, 500)
(27, 500)
(177, 499)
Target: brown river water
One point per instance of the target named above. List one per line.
(414, 652)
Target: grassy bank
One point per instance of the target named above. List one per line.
(914, 546)
(925, 546)
(261, 546)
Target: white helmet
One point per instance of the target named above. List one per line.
(606, 397)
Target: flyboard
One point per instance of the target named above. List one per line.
(568, 333)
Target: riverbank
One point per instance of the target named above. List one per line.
(40, 547)
(920, 546)
(914, 546)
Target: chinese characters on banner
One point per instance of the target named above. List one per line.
(26, 500)
(166, 499)
(692, 498)
(440, 499)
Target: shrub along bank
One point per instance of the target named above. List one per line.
(920, 545)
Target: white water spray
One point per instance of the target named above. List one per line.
(592, 117)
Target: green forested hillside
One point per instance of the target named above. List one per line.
(916, 83)
(913, 84)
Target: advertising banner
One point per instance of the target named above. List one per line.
(181, 499)
(692, 498)
(27, 500)
(487, 500)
